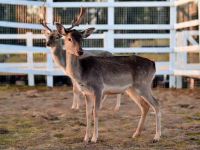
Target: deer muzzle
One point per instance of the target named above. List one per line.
(80, 52)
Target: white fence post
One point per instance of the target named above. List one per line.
(49, 14)
(191, 83)
(173, 17)
(29, 43)
(49, 68)
(105, 41)
(181, 57)
(179, 82)
(199, 24)
(111, 22)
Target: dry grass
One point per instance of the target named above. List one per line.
(41, 118)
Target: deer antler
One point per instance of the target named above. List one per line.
(42, 21)
(78, 19)
(44, 24)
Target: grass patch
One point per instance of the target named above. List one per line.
(181, 145)
(59, 135)
(23, 88)
(194, 134)
(197, 114)
(19, 129)
(194, 118)
(7, 140)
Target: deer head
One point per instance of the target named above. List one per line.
(73, 38)
(52, 37)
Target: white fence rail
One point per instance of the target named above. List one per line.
(110, 3)
(32, 68)
(49, 69)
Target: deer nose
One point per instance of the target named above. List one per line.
(48, 44)
(80, 53)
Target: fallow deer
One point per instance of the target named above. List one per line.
(97, 76)
(54, 41)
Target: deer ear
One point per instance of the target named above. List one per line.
(87, 32)
(58, 35)
(60, 28)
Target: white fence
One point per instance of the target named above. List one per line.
(50, 69)
(184, 44)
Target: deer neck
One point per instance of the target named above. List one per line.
(58, 56)
(73, 68)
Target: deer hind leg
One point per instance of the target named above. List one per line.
(89, 106)
(76, 97)
(104, 98)
(117, 106)
(144, 107)
(147, 96)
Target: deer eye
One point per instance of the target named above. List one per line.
(69, 39)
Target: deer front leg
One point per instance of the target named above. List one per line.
(97, 102)
(76, 97)
(95, 132)
(89, 107)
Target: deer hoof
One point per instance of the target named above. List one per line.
(73, 107)
(86, 140)
(100, 107)
(116, 109)
(94, 139)
(77, 108)
(156, 139)
(135, 135)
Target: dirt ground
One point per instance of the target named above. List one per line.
(41, 119)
